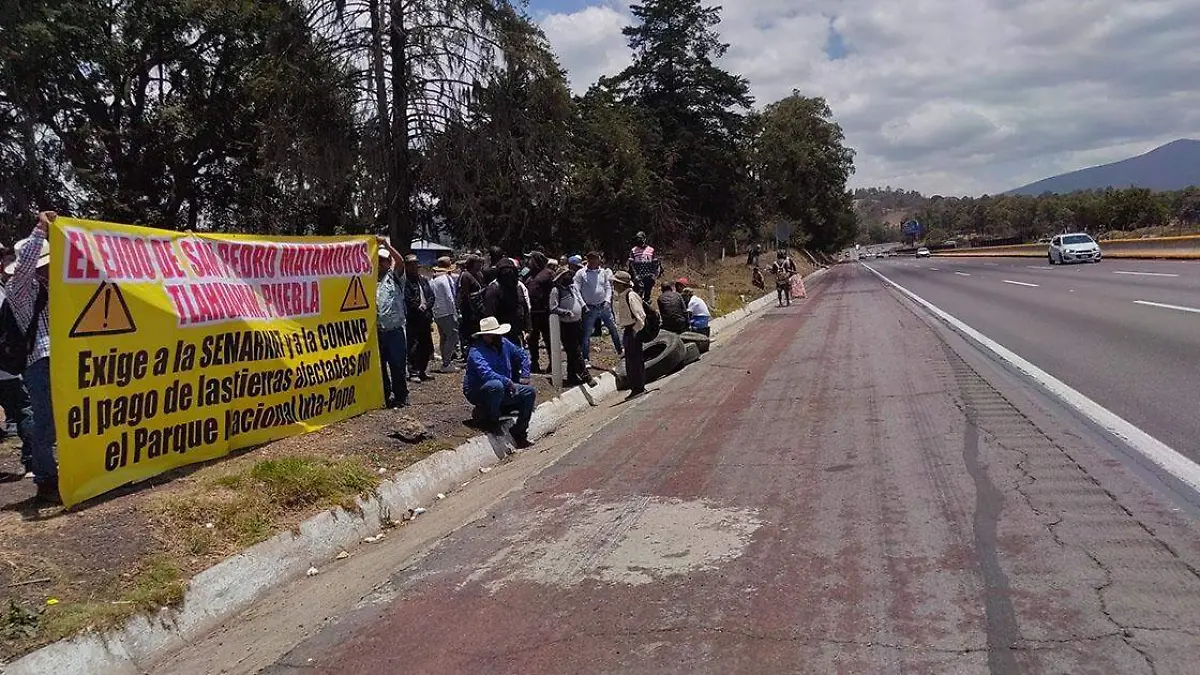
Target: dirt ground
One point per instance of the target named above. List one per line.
(133, 549)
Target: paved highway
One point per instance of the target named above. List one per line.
(843, 487)
(1124, 333)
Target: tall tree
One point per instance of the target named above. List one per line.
(173, 112)
(499, 175)
(802, 166)
(698, 109)
(417, 64)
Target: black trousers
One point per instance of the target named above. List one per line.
(644, 286)
(572, 339)
(635, 361)
(420, 343)
(17, 409)
(539, 332)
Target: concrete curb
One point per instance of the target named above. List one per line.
(234, 584)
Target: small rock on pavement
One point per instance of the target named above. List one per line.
(410, 429)
(312, 572)
(418, 511)
(372, 540)
(342, 556)
(441, 496)
(484, 469)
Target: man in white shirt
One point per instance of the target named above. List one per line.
(698, 312)
(445, 314)
(595, 284)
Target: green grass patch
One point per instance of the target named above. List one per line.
(157, 583)
(235, 510)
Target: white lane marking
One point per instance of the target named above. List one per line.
(962, 274)
(1147, 274)
(935, 269)
(1177, 308)
(992, 264)
(1160, 454)
(1039, 267)
(1020, 283)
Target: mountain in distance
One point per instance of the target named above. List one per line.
(1174, 166)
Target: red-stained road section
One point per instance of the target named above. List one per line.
(839, 489)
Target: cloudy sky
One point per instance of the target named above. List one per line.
(948, 96)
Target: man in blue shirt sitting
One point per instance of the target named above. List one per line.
(489, 382)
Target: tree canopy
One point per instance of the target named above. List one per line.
(444, 118)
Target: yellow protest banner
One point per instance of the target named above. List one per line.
(170, 348)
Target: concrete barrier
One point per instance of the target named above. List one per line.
(1178, 248)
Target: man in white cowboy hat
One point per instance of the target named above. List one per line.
(445, 314)
(497, 380)
(28, 291)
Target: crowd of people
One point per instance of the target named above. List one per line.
(493, 318)
(492, 315)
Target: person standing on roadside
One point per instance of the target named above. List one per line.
(470, 298)
(567, 303)
(540, 283)
(419, 297)
(391, 319)
(644, 267)
(495, 255)
(782, 269)
(28, 292)
(631, 317)
(445, 314)
(505, 300)
(595, 285)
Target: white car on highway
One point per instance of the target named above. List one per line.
(1078, 247)
(923, 252)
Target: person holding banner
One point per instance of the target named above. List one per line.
(28, 295)
(391, 317)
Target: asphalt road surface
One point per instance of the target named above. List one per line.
(1124, 333)
(843, 487)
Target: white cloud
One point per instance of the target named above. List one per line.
(953, 96)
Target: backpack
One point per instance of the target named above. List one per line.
(653, 321)
(16, 343)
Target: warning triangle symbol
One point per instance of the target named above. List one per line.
(105, 314)
(356, 296)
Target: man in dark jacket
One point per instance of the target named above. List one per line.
(672, 309)
(470, 288)
(503, 300)
(419, 298)
(540, 282)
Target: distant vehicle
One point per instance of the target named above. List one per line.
(1069, 248)
(923, 252)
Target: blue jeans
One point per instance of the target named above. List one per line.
(37, 381)
(393, 355)
(493, 399)
(14, 398)
(604, 314)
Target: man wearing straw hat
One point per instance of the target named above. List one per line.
(28, 292)
(631, 317)
(497, 380)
